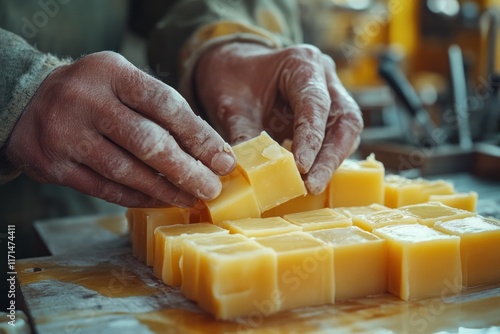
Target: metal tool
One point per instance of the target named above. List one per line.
(423, 132)
(459, 84)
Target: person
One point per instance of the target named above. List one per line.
(101, 126)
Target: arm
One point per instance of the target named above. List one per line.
(107, 129)
(23, 71)
(248, 72)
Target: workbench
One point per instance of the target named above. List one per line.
(93, 284)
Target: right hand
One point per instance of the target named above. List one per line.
(109, 130)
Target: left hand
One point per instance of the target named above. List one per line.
(294, 92)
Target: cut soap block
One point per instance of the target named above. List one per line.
(141, 235)
(236, 200)
(422, 262)
(270, 169)
(190, 260)
(373, 220)
(360, 261)
(164, 217)
(168, 248)
(298, 204)
(259, 227)
(305, 269)
(464, 201)
(431, 212)
(318, 219)
(401, 191)
(237, 279)
(479, 248)
(352, 211)
(357, 183)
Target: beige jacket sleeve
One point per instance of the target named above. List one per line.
(23, 70)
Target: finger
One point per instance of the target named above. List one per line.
(342, 135)
(304, 86)
(87, 181)
(155, 147)
(119, 166)
(162, 104)
(242, 121)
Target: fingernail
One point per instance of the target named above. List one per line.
(305, 160)
(317, 180)
(224, 162)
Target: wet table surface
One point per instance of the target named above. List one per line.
(93, 284)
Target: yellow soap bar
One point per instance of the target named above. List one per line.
(318, 219)
(305, 269)
(141, 235)
(464, 201)
(298, 204)
(401, 191)
(236, 200)
(164, 217)
(479, 249)
(352, 211)
(190, 260)
(168, 248)
(373, 220)
(431, 212)
(360, 260)
(357, 183)
(259, 227)
(238, 280)
(422, 262)
(270, 169)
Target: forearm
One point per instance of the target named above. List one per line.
(23, 70)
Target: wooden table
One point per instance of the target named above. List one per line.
(92, 284)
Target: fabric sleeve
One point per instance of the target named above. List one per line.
(193, 26)
(23, 70)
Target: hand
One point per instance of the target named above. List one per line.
(109, 130)
(292, 93)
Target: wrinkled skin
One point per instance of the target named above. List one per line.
(292, 93)
(107, 129)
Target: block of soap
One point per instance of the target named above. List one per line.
(164, 217)
(464, 201)
(352, 211)
(270, 169)
(259, 227)
(373, 220)
(305, 269)
(168, 248)
(422, 262)
(401, 191)
(298, 204)
(190, 260)
(360, 261)
(237, 280)
(357, 183)
(318, 219)
(236, 200)
(431, 212)
(479, 249)
(140, 234)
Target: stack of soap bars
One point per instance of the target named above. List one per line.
(265, 245)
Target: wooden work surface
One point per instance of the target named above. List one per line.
(92, 284)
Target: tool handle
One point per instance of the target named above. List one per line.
(396, 79)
